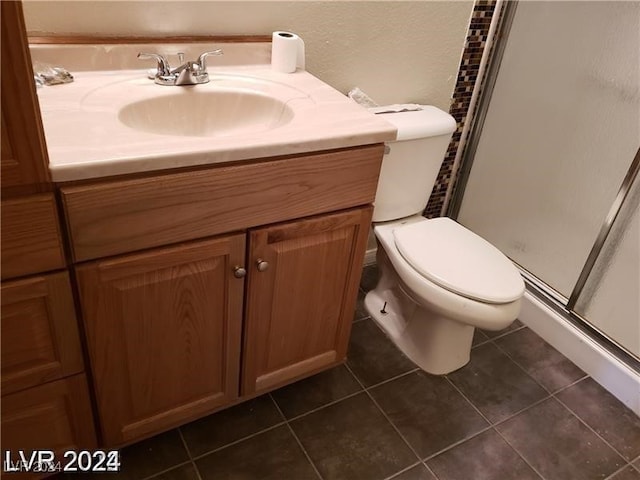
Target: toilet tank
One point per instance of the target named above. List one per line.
(412, 162)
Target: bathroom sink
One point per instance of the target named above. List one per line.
(209, 113)
(118, 122)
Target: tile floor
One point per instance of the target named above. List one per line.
(519, 410)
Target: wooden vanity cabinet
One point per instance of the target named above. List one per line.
(45, 398)
(23, 153)
(40, 339)
(163, 331)
(302, 288)
(256, 288)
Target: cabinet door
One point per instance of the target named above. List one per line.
(54, 416)
(163, 332)
(39, 330)
(300, 307)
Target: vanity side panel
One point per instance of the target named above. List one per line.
(23, 154)
(127, 215)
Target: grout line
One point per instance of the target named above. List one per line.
(508, 332)
(515, 414)
(302, 415)
(162, 472)
(429, 469)
(384, 414)
(484, 342)
(456, 443)
(357, 320)
(272, 427)
(493, 425)
(535, 470)
(562, 389)
(376, 385)
(186, 447)
(304, 450)
(400, 472)
(621, 469)
(591, 428)
(522, 368)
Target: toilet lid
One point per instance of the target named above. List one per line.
(457, 259)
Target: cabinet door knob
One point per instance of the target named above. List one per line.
(262, 265)
(239, 272)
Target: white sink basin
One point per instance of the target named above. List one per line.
(117, 122)
(210, 113)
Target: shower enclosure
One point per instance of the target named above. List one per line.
(549, 172)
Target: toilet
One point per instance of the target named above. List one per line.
(438, 280)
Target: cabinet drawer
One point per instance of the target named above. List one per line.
(54, 416)
(122, 216)
(30, 236)
(39, 332)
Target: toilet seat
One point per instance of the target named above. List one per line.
(464, 264)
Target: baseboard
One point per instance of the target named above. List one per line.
(601, 365)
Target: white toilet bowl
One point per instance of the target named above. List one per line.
(430, 309)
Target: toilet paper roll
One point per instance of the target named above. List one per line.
(287, 52)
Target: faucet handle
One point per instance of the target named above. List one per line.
(202, 59)
(163, 64)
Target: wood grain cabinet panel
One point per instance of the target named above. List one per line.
(54, 416)
(40, 339)
(300, 308)
(23, 153)
(31, 241)
(163, 332)
(122, 216)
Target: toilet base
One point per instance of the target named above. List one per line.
(436, 344)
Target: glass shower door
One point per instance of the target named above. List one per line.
(561, 130)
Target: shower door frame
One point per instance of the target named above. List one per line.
(540, 289)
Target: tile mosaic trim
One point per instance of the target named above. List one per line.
(467, 73)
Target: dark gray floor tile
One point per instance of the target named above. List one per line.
(352, 440)
(419, 472)
(603, 412)
(428, 411)
(369, 278)
(273, 454)
(495, 384)
(543, 362)
(486, 456)
(229, 425)
(511, 328)
(360, 312)
(152, 456)
(313, 392)
(628, 473)
(372, 356)
(184, 472)
(558, 445)
(141, 460)
(478, 338)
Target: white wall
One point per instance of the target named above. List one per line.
(396, 51)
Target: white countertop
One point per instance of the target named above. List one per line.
(85, 138)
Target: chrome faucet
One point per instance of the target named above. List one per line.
(189, 73)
